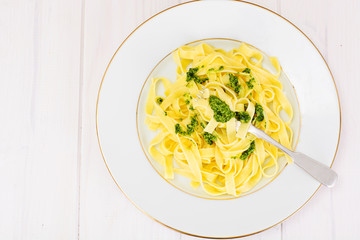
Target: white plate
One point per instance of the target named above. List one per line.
(145, 48)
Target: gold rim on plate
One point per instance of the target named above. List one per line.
(97, 130)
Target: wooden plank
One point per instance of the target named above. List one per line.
(40, 46)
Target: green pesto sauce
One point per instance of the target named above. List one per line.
(246, 105)
(179, 130)
(192, 125)
(191, 108)
(202, 125)
(165, 113)
(222, 112)
(243, 117)
(209, 138)
(190, 128)
(247, 152)
(191, 75)
(187, 101)
(247, 70)
(159, 100)
(259, 113)
(234, 83)
(214, 70)
(250, 83)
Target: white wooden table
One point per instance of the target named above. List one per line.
(53, 181)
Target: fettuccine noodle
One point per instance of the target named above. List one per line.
(196, 119)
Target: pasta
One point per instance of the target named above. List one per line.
(197, 119)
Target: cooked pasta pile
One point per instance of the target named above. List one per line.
(198, 137)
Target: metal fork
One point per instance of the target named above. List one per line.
(317, 170)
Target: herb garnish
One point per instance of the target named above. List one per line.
(190, 128)
(259, 113)
(234, 83)
(179, 130)
(209, 138)
(243, 117)
(250, 83)
(247, 70)
(159, 100)
(247, 152)
(191, 75)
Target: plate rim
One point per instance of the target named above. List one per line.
(97, 129)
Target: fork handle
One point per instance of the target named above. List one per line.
(317, 170)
